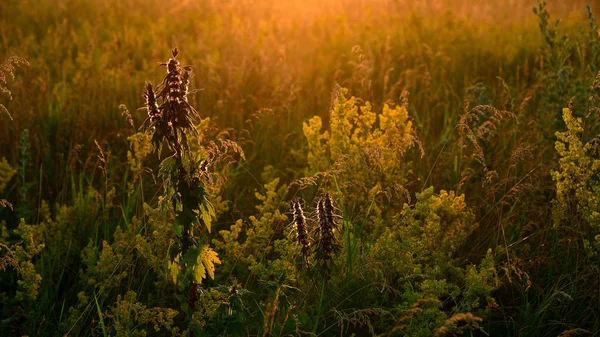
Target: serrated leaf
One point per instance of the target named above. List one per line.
(191, 256)
(206, 213)
(168, 166)
(206, 264)
(199, 272)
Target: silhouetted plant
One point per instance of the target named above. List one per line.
(326, 244)
(170, 119)
(301, 230)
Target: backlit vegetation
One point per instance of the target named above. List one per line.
(299, 168)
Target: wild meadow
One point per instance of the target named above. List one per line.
(299, 168)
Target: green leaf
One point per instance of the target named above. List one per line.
(100, 317)
(174, 251)
(177, 229)
(168, 166)
(190, 258)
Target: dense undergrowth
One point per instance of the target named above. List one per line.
(322, 168)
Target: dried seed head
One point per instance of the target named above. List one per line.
(172, 66)
(151, 105)
(174, 82)
(326, 244)
(185, 81)
(329, 211)
(301, 231)
(174, 116)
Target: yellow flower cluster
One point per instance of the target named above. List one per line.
(577, 186)
(365, 152)
(140, 148)
(354, 127)
(431, 230)
(258, 239)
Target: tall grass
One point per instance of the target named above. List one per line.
(446, 153)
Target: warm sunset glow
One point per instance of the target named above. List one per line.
(300, 168)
